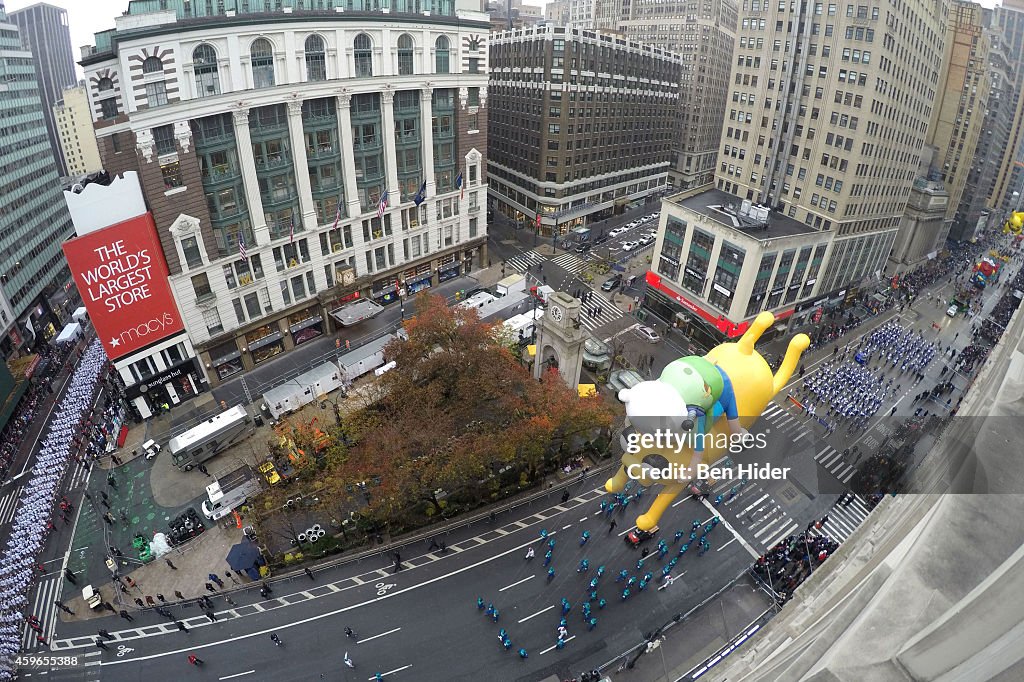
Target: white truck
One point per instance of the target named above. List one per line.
(229, 491)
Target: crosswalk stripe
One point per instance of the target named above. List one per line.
(830, 459)
(847, 474)
(756, 502)
(771, 409)
(764, 530)
(9, 505)
(784, 534)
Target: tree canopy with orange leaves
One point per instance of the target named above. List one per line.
(457, 408)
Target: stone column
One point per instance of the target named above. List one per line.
(348, 166)
(427, 135)
(387, 98)
(243, 143)
(298, 142)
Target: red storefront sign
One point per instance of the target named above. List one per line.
(123, 278)
(731, 330)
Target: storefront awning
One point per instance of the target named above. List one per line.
(308, 322)
(265, 341)
(226, 358)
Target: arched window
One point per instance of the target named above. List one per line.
(105, 84)
(441, 55)
(405, 55)
(204, 63)
(152, 65)
(262, 55)
(363, 51)
(316, 60)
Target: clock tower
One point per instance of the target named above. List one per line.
(560, 337)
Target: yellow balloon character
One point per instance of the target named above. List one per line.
(725, 399)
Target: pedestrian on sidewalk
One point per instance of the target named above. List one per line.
(214, 578)
(149, 601)
(161, 598)
(179, 595)
(170, 565)
(107, 605)
(138, 602)
(232, 576)
(209, 587)
(60, 605)
(181, 626)
(203, 470)
(124, 614)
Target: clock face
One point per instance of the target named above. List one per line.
(556, 313)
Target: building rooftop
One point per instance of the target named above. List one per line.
(740, 215)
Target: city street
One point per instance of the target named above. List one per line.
(403, 620)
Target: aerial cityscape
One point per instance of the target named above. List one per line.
(576, 341)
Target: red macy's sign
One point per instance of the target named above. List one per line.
(121, 274)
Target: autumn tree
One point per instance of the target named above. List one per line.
(456, 409)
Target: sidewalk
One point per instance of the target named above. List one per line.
(699, 637)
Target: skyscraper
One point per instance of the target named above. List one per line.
(35, 219)
(974, 211)
(1009, 20)
(44, 32)
(704, 35)
(828, 112)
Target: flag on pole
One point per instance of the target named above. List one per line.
(383, 205)
(337, 216)
(241, 245)
(421, 195)
(459, 185)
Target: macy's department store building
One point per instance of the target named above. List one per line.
(120, 271)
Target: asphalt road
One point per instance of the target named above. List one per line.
(426, 616)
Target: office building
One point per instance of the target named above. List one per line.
(827, 117)
(44, 33)
(581, 125)
(974, 213)
(958, 116)
(33, 275)
(297, 164)
(1009, 186)
(704, 35)
(557, 12)
(75, 132)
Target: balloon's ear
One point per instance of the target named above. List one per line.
(687, 423)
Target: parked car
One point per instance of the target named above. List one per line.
(952, 311)
(617, 231)
(636, 537)
(652, 216)
(623, 378)
(648, 334)
(630, 245)
(612, 282)
(583, 248)
(645, 239)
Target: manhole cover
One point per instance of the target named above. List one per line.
(789, 493)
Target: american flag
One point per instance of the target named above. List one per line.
(241, 245)
(383, 205)
(337, 216)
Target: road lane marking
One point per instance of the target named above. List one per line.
(726, 545)
(390, 672)
(367, 639)
(552, 648)
(228, 677)
(311, 619)
(517, 583)
(682, 500)
(565, 527)
(523, 620)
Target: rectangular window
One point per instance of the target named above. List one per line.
(190, 249)
(156, 94)
(201, 287)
